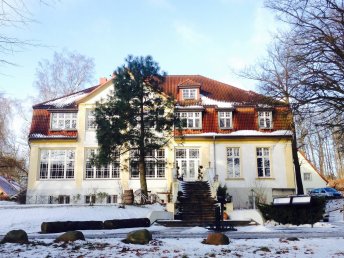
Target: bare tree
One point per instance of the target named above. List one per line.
(67, 73)
(318, 52)
(321, 146)
(11, 164)
(276, 74)
(14, 13)
(5, 113)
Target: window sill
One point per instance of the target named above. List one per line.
(189, 99)
(149, 178)
(105, 178)
(56, 179)
(265, 178)
(58, 130)
(234, 178)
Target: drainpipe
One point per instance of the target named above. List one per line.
(214, 158)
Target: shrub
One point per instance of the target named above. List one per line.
(21, 197)
(295, 214)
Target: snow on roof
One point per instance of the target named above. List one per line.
(7, 187)
(190, 107)
(220, 104)
(246, 133)
(66, 101)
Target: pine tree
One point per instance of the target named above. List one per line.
(137, 117)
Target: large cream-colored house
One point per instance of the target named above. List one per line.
(231, 136)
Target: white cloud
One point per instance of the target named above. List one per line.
(189, 35)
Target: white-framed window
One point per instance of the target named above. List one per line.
(90, 199)
(187, 163)
(111, 170)
(189, 93)
(63, 121)
(90, 120)
(57, 164)
(225, 119)
(112, 199)
(233, 162)
(190, 120)
(265, 119)
(307, 176)
(155, 161)
(263, 162)
(61, 199)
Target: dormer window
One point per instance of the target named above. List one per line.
(189, 94)
(63, 121)
(225, 119)
(265, 119)
(190, 120)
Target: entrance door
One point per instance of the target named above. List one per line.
(187, 162)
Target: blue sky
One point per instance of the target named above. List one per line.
(208, 37)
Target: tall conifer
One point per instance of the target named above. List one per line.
(137, 117)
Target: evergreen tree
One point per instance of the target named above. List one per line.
(137, 117)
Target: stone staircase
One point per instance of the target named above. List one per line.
(196, 206)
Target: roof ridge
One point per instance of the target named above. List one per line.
(64, 96)
(226, 84)
(189, 81)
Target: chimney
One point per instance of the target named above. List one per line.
(102, 80)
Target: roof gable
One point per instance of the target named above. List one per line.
(67, 101)
(97, 93)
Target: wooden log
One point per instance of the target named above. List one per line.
(63, 226)
(126, 223)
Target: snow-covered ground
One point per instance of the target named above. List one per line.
(29, 218)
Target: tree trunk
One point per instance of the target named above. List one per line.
(143, 181)
(310, 144)
(299, 185)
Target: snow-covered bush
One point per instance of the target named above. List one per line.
(295, 214)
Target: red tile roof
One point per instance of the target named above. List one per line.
(245, 106)
(188, 82)
(212, 89)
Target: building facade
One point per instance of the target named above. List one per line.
(230, 137)
(311, 177)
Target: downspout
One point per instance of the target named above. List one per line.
(214, 158)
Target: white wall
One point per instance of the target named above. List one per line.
(316, 181)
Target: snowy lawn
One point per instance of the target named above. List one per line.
(29, 218)
(178, 248)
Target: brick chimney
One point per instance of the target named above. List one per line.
(102, 80)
